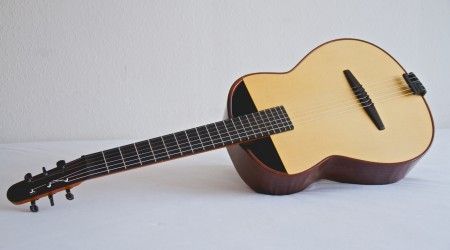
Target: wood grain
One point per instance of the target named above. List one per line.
(328, 119)
(385, 163)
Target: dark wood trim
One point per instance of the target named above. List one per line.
(264, 179)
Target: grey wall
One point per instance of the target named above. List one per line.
(133, 69)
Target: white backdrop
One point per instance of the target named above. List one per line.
(136, 69)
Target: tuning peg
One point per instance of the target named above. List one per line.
(50, 197)
(34, 208)
(28, 177)
(60, 164)
(44, 170)
(69, 195)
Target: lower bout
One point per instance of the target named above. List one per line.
(263, 179)
(348, 170)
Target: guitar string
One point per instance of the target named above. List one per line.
(256, 132)
(155, 155)
(297, 115)
(271, 126)
(378, 81)
(238, 133)
(351, 100)
(122, 166)
(371, 87)
(303, 121)
(375, 88)
(117, 164)
(354, 104)
(97, 171)
(221, 130)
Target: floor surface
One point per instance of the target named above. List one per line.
(200, 202)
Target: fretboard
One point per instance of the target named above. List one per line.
(183, 143)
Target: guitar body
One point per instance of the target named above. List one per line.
(334, 138)
(347, 112)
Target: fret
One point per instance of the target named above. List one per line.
(219, 133)
(278, 124)
(178, 145)
(121, 156)
(151, 150)
(196, 144)
(130, 156)
(228, 133)
(269, 123)
(280, 116)
(277, 128)
(186, 142)
(241, 128)
(205, 138)
(183, 142)
(214, 134)
(159, 149)
(265, 127)
(135, 148)
(223, 132)
(106, 163)
(95, 160)
(144, 151)
(189, 141)
(236, 130)
(113, 159)
(209, 135)
(286, 119)
(94, 165)
(234, 136)
(254, 126)
(165, 147)
(253, 131)
(200, 138)
(260, 129)
(171, 145)
(259, 124)
(274, 124)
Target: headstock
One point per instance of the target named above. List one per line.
(47, 184)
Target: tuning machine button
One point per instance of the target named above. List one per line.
(69, 195)
(50, 197)
(60, 164)
(44, 171)
(34, 208)
(28, 177)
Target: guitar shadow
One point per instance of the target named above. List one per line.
(205, 180)
(215, 180)
(192, 179)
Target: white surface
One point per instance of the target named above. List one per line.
(201, 203)
(103, 69)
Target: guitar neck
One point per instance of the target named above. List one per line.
(183, 143)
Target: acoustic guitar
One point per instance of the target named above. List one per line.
(348, 112)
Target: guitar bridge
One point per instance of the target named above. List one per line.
(414, 84)
(364, 99)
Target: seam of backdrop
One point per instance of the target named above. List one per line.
(82, 71)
